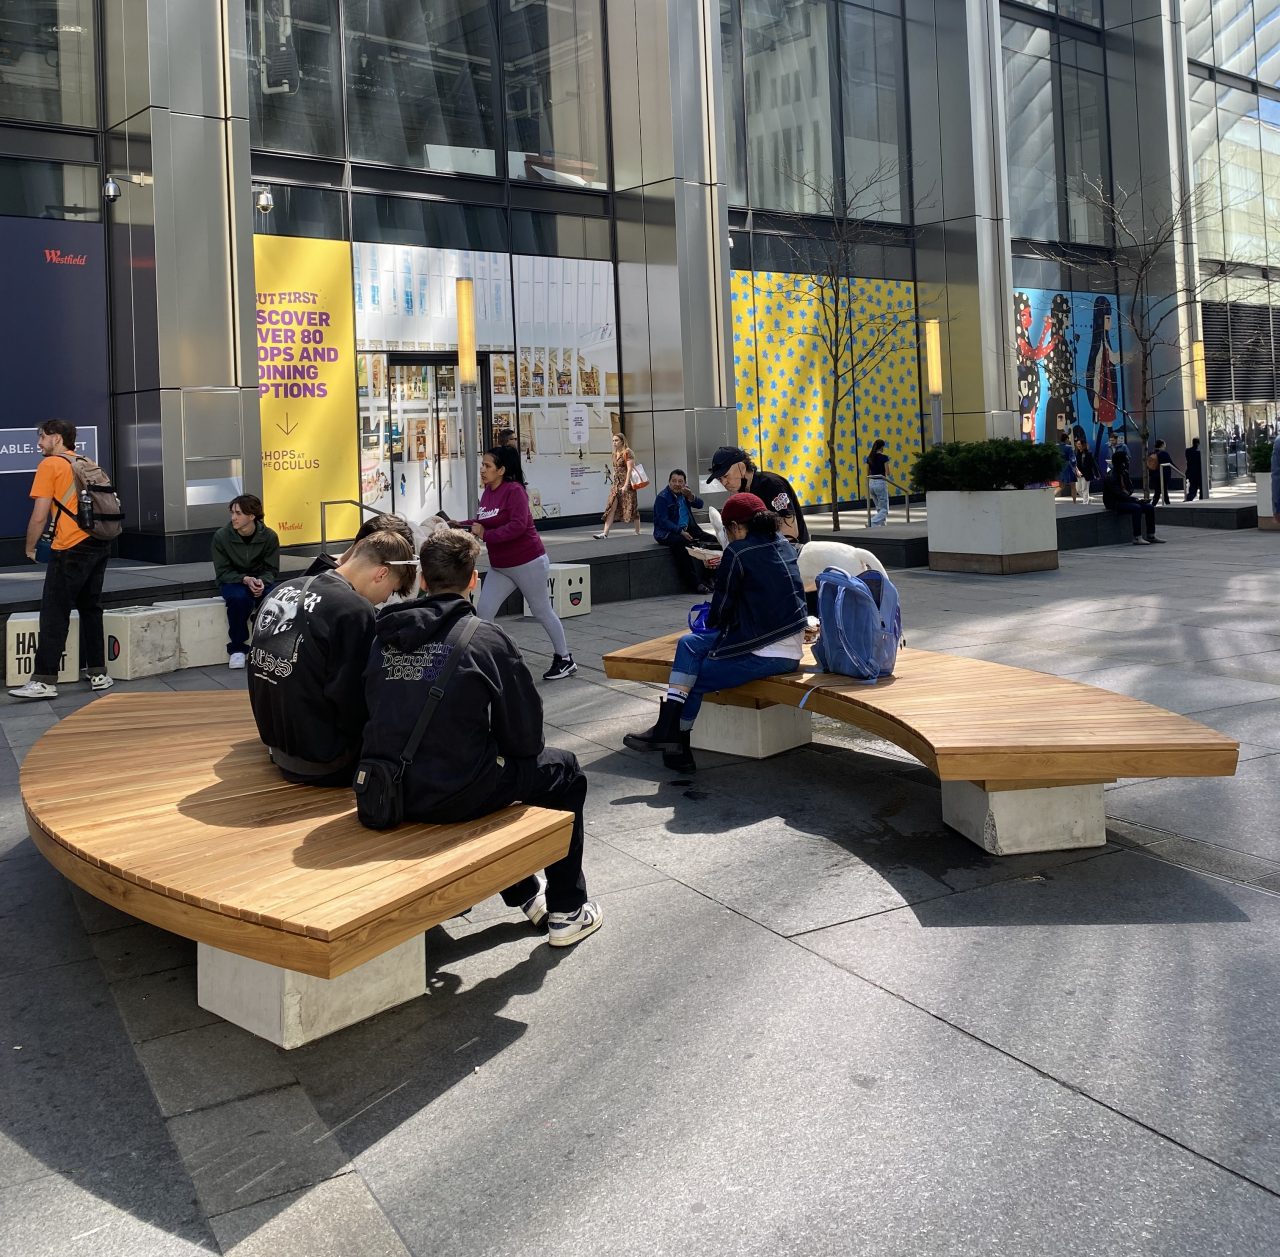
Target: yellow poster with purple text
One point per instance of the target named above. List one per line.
(306, 386)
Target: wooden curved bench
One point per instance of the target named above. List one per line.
(166, 807)
(1022, 755)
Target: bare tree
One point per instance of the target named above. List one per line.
(1150, 226)
(840, 241)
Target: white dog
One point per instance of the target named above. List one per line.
(815, 556)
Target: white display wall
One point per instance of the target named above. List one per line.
(548, 324)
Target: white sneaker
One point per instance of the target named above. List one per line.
(566, 928)
(535, 908)
(236, 660)
(35, 689)
(100, 681)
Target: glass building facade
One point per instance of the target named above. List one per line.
(644, 193)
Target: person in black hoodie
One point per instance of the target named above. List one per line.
(307, 658)
(484, 750)
(375, 523)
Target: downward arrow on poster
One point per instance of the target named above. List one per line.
(287, 428)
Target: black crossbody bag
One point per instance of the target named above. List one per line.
(379, 783)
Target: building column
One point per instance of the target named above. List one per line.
(959, 172)
(184, 374)
(673, 233)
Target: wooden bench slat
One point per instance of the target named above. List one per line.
(212, 834)
(973, 720)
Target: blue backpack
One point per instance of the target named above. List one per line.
(861, 624)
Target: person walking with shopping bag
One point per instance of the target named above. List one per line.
(621, 506)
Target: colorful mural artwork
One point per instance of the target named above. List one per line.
(1067, 353)
(784, 383)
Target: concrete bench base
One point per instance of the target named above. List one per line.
(753, 732)
(290, 1008)
(1013, 822)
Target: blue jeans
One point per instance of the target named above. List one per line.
(240, 606)
(878, 487)
(702, 675)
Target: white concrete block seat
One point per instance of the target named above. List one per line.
(1022, 755)
(307, 921)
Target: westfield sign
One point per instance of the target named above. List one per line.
(56, 257)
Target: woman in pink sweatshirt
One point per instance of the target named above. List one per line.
(517, 557)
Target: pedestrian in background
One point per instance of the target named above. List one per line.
(1086, 469)
(1195, 471)
(246, 565)
(621, 506)
(517, 557)
(77, 565)
(1067, 477)
(878, 483)
(1164, 461)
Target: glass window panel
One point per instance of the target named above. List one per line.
(48, 62)
(1270, 134)
(446, 224)
(553, 80)
(1242, 199)
(559, 235)
(789, 102)
(295, 104)
(46, 189)
(1032, 148)
(421, 84)
(1206, 164)
(1084, 138)
(871, 79)
(1199, 30)
(1268, 41)
(1233, 42)
(1088, 11)
(318, 213)
(735, 122)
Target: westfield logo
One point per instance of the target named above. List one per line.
(56, 257)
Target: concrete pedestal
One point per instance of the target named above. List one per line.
(1012, 822)
(753, 732)
(290, 1008)
(141, 641)
(202, 631)
(22, 636)
(569, 585)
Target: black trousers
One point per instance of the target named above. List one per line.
(1195, 488)
(73, 581)
(1138, 511)
(552, 780)
(1160, 486)
(679, 548)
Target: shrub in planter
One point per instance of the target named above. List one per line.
(1260, 457)
(984, 466)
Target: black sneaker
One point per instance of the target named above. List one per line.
(561, 666)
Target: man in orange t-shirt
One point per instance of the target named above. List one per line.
(73, 580)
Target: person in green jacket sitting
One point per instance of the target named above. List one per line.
(246, 564)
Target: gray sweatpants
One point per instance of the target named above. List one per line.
(531, 580)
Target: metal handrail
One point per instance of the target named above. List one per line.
(360, 506)
(906, 498)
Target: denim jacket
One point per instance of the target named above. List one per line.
(759, 596)
(666, 514)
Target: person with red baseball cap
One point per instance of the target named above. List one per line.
(757, 627)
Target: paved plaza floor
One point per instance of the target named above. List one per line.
(815, 1021)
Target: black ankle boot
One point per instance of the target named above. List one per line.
(663, 735)
(681, 760)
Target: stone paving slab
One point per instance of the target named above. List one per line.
(1150, 988)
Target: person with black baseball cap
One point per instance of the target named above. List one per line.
(738, 474)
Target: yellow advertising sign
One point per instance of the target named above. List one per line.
(306, 385)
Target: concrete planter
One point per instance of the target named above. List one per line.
(1005, 531)
(1265, 518)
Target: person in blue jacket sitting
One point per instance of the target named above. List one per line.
(675, 528)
